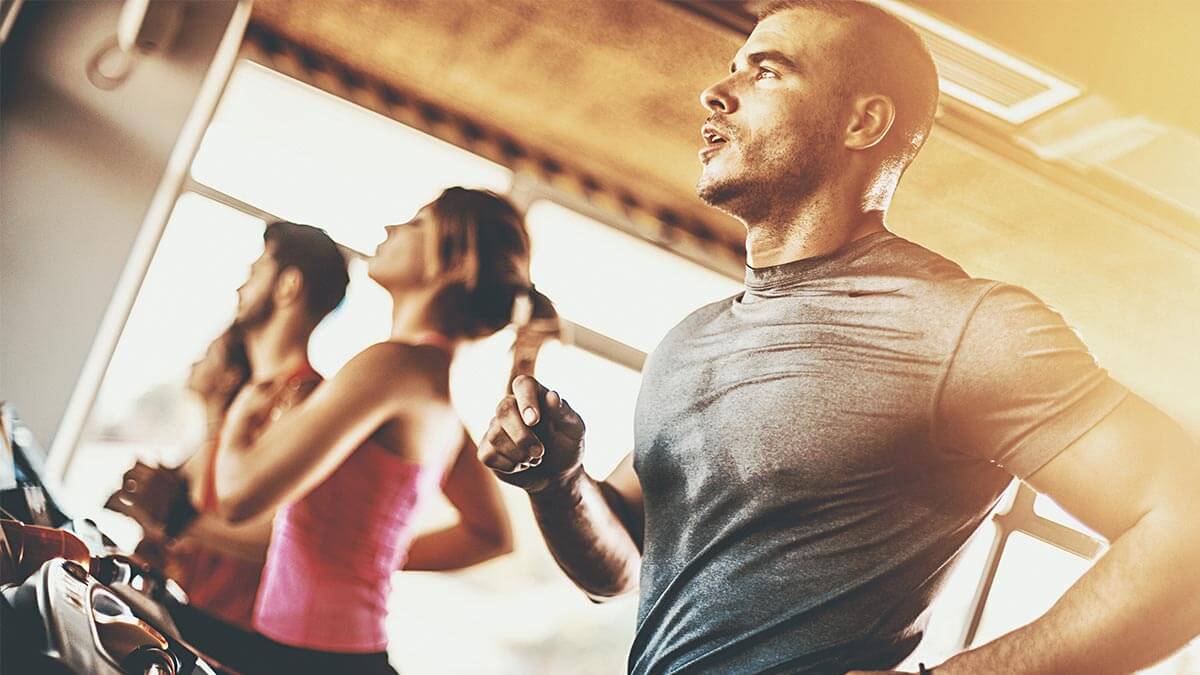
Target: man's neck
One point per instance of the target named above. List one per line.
(277, 349)
(817, 227)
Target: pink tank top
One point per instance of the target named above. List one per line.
(329, 565)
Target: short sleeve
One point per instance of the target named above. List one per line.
(1020, 386)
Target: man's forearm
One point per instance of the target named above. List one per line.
(1134, 607)
(586, 537)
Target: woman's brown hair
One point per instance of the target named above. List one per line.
(482, 244)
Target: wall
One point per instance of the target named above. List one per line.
(87, 180)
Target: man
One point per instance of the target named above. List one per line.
(300, 278)
(812, 454)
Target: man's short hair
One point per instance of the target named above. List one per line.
(889, 58)
(321, 265)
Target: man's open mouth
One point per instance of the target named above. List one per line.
(713, 142)
(711, 136)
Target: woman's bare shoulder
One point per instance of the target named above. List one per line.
(422, 368)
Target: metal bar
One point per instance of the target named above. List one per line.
(984, 589)
(1023, 518)
(193, 185)
(1062, 537)
(603, 346)
(8, 17)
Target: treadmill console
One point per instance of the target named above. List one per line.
(72, 620)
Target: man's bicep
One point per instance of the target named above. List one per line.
(623, 492)
(1133, 460)
(1020, 385)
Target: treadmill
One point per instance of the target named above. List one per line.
(69, 603)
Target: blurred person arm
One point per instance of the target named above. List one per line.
(243, 541)
(246, 541)
(256, 474)
(1023, 392)
(593, 529)
(146, 496)
(483, 530)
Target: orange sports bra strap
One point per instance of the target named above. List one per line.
(208, 498)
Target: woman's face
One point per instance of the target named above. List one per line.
(404, 259)
(210, 376)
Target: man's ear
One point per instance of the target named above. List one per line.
(870, 122)
(289, 287)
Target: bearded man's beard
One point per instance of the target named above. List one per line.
(771, 175)
(255, 316)
(764, 182)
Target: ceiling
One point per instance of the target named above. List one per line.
(609, 88)
(609, 91)
(1142, 55)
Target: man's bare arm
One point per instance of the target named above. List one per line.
(1132, 478)
(583, 521)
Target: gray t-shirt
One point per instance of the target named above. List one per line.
(815, 451)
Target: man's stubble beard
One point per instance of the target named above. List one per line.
(749, 197)
(780, 177)
(257, 316)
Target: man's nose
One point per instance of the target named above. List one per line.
(719, 98)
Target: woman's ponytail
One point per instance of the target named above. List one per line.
(536, 321)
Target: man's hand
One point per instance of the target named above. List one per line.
(535, 428)
(152, 550)
(147, 494)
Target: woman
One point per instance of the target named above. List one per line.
(351, 465)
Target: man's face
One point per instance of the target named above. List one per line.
(774, 121)
(255, 301)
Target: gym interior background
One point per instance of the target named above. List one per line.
(1066, 158)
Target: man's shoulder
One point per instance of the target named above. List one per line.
(943, 279)
(705, 314)
(695, 322)
(1006, 309)
(897, 254)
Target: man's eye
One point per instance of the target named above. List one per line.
(764, 74)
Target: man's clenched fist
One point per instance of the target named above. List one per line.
(535, 440)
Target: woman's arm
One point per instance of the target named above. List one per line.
(245, 541)
(482, 532)
(309, 442)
